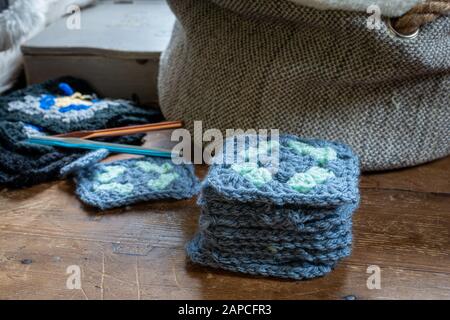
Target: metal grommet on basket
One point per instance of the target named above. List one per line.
(399, 34)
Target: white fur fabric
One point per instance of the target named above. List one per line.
(389, 8)
(22, 20)
(10, 62)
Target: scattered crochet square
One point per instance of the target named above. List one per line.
(57, 106)
(126, 182)
(293, 222)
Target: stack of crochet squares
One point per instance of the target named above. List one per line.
(290, 220)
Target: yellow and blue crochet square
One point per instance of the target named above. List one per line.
(69, 104)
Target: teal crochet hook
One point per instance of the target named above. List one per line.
(95, 145)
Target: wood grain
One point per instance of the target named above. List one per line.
(403, 226)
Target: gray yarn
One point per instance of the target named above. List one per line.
(295, 220)
(86, 161)
(324, 74)
(273, 229)
(129, 184)
(35, 110)
(215, 259)
(221, 185)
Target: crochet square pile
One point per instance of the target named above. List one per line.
(53, 107)
(126, 182)
(293, 222)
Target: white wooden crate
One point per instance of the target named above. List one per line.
(117, 49)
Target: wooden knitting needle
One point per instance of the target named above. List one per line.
(122, 131)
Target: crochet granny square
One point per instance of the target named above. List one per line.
(126, 182)
(57, 106)
(293, 222)
(69, 104)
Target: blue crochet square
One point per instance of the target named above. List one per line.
(126, 182)
(294, 222)
(225, 183)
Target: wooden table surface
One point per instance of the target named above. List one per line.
(402, 226)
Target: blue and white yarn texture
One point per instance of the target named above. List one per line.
(67, 104)
(127, 182)
(64, 109)
(295, 222)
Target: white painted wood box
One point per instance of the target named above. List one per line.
(116, 49)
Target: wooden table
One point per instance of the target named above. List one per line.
(402, 226)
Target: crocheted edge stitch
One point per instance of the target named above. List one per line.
(348, 191)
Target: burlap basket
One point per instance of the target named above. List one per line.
(313, 73)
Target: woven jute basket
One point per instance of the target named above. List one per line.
(314, 73)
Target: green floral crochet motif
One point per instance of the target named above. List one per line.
(151, 167)
(306, 181)
(251, 172)
(124, 188)
(264, 148)
(244, 168)
(163, 181)
(322, 155)
(109, 173)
